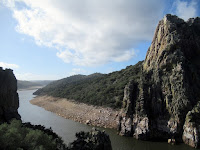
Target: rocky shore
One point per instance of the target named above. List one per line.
(79, 112)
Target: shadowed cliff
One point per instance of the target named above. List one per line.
(9, 100)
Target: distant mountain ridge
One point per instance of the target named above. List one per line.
(22, 84)
(96, 89)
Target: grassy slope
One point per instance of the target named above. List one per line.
(95, 89)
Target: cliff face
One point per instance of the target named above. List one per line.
(9, 100)
(164, 102)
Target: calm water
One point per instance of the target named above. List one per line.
(67, 128)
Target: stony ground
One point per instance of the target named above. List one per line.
(83, 113)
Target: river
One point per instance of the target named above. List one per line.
(66, 128)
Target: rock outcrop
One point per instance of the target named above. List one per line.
(191, 128)
(159, 104)
(9, 100)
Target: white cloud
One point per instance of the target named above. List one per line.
(7, 65)
(88, 32)
(185, 9)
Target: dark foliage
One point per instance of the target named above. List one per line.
(93, 140)
(17, 135)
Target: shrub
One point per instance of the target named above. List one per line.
(16, 136)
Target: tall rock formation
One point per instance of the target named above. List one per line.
(9, 100)
(163, 104)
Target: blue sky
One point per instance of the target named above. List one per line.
(48, 39)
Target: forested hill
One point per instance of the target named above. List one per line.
(95, 89)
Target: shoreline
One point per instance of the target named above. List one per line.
(79, 112)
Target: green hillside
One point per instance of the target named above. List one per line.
(95, 89)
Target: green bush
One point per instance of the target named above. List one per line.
(16, 136)
(93, 140)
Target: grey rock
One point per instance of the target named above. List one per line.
(191, 128)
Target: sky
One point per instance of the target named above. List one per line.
(53, 39)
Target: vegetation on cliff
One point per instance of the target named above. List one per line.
(95, 89)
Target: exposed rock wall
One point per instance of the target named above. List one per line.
(191, 128)
(157, 105)
(9, 100)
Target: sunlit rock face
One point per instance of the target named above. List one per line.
(9, 100)
(156, 106)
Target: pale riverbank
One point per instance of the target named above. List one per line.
(83, 113)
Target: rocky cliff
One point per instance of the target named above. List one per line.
(163, 104)
(9, 100)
